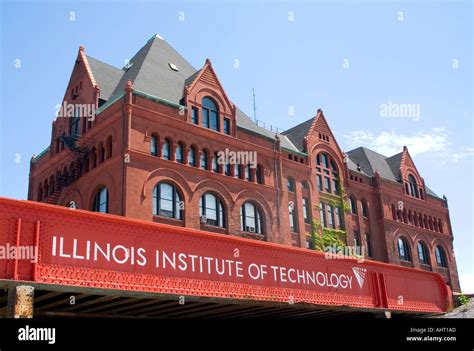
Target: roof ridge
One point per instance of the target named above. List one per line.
(102, 62)
(298, 125)
(375, 152)
(401, 152)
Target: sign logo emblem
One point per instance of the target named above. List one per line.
(359, 273)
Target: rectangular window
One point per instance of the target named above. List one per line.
(369, 247)
(214, 121)
(247, 173)
(227, 126)
(338, 218)
(322, 214)
(327, 185)
(320, 183)
(237, 173)
(250, 221)
(211, 210)
(194, 115)
(356, 239)
(166, 201)
(335, 187)
(325, 161)
(205, 118)
(306, 213)
(293, 219)
(331, 216)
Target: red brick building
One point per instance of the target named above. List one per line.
(144, 141)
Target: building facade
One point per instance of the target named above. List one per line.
(161, 141)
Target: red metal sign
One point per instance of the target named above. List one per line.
(102, 251)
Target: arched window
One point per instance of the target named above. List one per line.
(304, 185)
(215, 165)
(327, 174)
(423, 253)
(166, 150)
(251, 219)
(441, 257)
(46, 189)
(51, 184)
(109, 147)
(211, 210)
(237, 171)
(192, 156)
(259, 174)
(403, 250)
(306, 210)
(40, 192)
(394, 212)
(210, 114)
(227, 168)
(101, 201)
(357, 242)
(365, 209)
(179, 153)
(248, 174)
(440, 226)
(86, 163)
(154, 145)
(353, 205)
(293, 218)
(93, 158)
(291, 184)
(203, 160)
(167, 201)
(368, 245)
(413, 186)
(101, 152)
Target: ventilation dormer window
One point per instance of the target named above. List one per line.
(173, 66)
(413, 186)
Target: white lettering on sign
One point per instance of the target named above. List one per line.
(207, 266)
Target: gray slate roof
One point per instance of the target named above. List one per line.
(369, 161)
(245, 122)
(150, 71)
(106, 76)
(297, 133)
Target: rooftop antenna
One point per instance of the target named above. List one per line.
(254, 107)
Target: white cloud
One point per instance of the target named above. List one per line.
(390, 143)
(465, 152)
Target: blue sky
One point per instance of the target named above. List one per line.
(347, 57)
